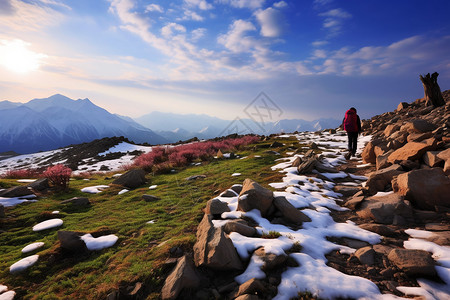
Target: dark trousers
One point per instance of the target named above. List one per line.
(352, 141)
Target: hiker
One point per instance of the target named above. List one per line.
(352, 124)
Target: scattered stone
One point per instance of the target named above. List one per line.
(297, 161)
(150, 198)
(131, 179)
(276, 145)
(254, 196)
(77, 201)
(237, 188)
(195, 177)
(418, 126)
(366, 255)
(355, 202)
(239, 227)
(216, 207)
(413, 262)
(402, 105)
(183, 276)
(307, 165)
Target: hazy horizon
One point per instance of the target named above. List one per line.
(312, 59)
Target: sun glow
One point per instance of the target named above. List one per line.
(15, 56)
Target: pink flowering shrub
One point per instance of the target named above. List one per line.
(58, 175)
(21, 174)
(161, 159)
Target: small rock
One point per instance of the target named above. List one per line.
(150, 198)
(78, 201)
(195, 177)
(216, 207)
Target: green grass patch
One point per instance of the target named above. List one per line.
(142, 248)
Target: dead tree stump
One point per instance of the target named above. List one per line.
(433, 95)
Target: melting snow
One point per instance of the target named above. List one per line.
(8, 202)
(94, 189)
(153, 187)
(99, 243)
(23, 264)
(48, 224)
(32, 247)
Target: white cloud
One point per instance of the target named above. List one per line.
(198, 33)
(319, 43)
(252, 4)
(191, 15)
(319, 53)
(280, 4)
(168, 30)
(271, 21)
(201, 4)
(235, 39)
(337, 13)
(154, 7)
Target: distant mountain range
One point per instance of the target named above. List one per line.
(175, 127)
(58, 121)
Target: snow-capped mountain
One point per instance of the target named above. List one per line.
(175, 127)
(57, 121)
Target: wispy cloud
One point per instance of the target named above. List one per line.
(24, 16)
(236, 39)
(167, 31)
(334, 19)
(154, 7)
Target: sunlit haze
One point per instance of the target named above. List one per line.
(314, 59)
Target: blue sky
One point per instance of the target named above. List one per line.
(313, 58)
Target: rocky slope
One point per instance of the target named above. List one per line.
(405, 201)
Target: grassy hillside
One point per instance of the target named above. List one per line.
(142, 248)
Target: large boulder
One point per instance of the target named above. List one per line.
(384, 209)
(413, 262)
(425, 188)
(379, 180)
(214, 249)
(290, 213)
(184, 275)
(254, 196)
(390, 129)
(131, 179)
(410, 151)
(445, 156)
(16, 191)
(418, 126)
